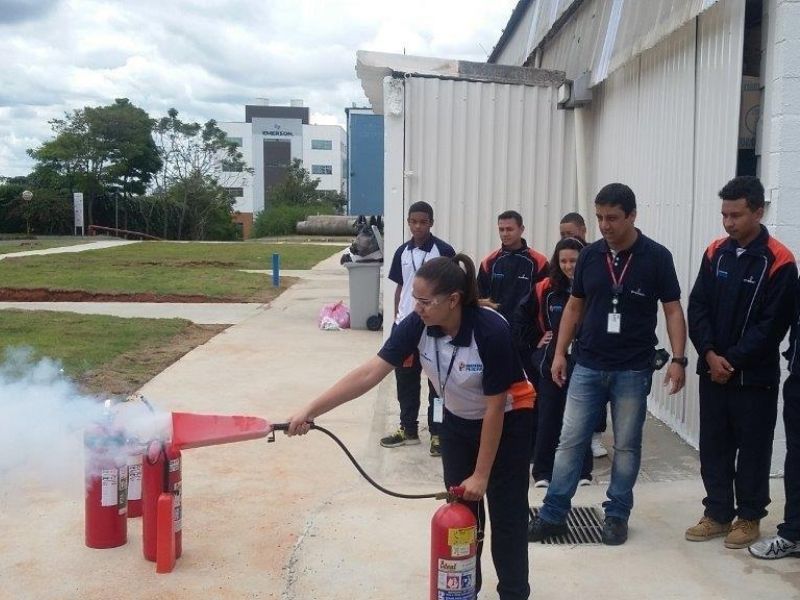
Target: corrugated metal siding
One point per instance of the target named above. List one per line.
(476, 149)
(666, 124)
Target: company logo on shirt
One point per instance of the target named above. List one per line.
(749, 280)
(638, 292)
(470, 367)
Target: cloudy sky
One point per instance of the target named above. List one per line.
(208, 58)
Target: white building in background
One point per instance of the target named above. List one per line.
(270, 138)
(664, 96)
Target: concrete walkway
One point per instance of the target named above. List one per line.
(294, 521)
(75, 248)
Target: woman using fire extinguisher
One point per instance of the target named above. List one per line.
(485, 404)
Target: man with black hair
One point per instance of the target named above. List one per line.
(408, 258)
(508, 275)
(572, 225)
(740, 308)
(613, 307)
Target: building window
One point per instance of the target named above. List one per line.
(231, 166)
(234, 192)
(321, 145)
(237, 141)
(321, 170)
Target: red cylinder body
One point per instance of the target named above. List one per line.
(454, 547)
(105, 499)
(161, 472)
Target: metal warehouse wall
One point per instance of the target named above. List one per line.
(475, 149)
(667, 124)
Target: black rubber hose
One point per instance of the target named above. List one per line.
(360, 469)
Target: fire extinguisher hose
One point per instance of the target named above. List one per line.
(360, 469)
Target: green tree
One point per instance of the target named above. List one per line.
(192, 157)
(299, 188)
(101, 151)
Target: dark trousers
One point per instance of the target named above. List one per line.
(602, 422)
(551, 401)
(506, 494)
(737, 425)
(408, 393)
(790, 528)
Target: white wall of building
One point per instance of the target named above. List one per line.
(244, 180)
(315, 159)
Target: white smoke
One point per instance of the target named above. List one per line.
(43, 416)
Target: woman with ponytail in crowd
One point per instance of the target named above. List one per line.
(484, 401)
(535, 331)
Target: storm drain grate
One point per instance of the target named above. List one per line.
(585, 524)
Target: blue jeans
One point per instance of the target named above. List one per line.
(589, 391)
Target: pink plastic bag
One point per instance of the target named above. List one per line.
(334, 316)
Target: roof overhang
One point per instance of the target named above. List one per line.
(373, 67)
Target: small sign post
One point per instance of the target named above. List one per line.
(77, 208)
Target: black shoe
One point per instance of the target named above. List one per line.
(615, 531)
(539, 530)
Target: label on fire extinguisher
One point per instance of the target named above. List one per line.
(122, 496)
(109, 495)
(456, 579)
(135, 479)
(461, 536)
(177, 514)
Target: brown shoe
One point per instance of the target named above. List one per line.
(743, 533)
(707, 529)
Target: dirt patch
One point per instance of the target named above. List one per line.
(131, 370)
(45, 295)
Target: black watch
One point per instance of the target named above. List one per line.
(682, 361)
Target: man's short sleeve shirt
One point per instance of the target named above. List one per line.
(406, 261)
(650, 277)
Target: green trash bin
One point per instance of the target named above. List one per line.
(365, 285)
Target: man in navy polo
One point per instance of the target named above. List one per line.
(618, 283)
(740, 308)
(409, 257)
(508, 275)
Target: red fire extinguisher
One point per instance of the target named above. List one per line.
(161, 474)
(454, 548)
(105, 499)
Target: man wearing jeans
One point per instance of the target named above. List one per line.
(618, 283)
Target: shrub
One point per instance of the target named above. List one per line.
(282, 219)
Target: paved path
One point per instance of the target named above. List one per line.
(75, 248)
(294, 521)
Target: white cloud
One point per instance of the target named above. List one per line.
(208, 58)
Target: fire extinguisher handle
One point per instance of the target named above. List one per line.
(457, 491)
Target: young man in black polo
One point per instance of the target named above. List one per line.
(618, 283)
(787, 541)
(739, 311)
(409, 257)
(508, 275)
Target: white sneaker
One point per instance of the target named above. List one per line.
(542, 483)
(774, 547)
(584, 482)
(598, 450)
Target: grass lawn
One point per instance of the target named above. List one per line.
(42, 243)
(104, 354)
(164, 269)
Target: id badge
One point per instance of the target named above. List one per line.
(614, 323)
(438, 410)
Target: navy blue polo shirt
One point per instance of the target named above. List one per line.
(482, 356)
(650, 277)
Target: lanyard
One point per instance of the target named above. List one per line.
(616, 287)
(413, 264)
(443, 385)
